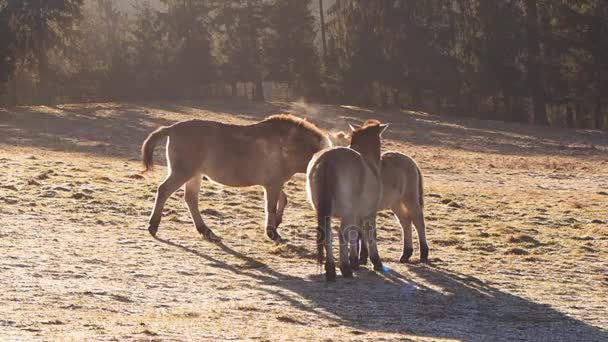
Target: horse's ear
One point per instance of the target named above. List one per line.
(383, 128)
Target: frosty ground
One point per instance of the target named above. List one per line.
(517, 224)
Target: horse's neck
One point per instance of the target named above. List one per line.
(374, 165)
(372, 160)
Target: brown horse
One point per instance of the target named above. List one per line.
(346, 183)
(267, 153)
(403, 194)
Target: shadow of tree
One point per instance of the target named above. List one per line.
(431, 302)
(115, 130)
(118, 129)
(462, 133)
(432, 130)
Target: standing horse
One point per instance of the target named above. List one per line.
(346, 183)
(403, 194)
(267, 153)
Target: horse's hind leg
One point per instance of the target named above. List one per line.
(165, 190)
(374, 256)
(346, 229)
(362, 246)
(405, 221)
(281, 207)
(330, 265)
(352, 236)
(191, 199)
(272, 196)
(418, 218)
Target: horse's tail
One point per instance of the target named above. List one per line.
(147, 150)
(325, 196)
(420, 187)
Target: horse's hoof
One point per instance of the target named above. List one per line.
(210, 236)
(377, 264)
(363, 256)
(330, 271)
(152, 229)
(273, 235)
(424, 254)
(354, 264)
(347, 272)
(407, 254)
(330, 275)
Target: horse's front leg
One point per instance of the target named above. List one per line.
(281, 207)
(191, 199)
(374, 256)
(272, 196)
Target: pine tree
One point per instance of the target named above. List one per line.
(40, 26)
(242, 26)
(292, 57)
(7, 52)
(187, 29)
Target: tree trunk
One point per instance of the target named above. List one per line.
(570, 117)
(535, 77)
(599, 116)
(258, 94)
(322, 18)
(416, 99)
(579, 116)
(396, 98)
(13, 92)
(43, 75)
(234, 88)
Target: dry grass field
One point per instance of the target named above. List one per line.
(517, 224)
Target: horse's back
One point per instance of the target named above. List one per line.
(242, 155)
(400, 179)
(356, 186)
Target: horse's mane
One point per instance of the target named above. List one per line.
(370, 122)
(299, 122)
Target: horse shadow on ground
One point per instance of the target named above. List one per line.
(445, 304)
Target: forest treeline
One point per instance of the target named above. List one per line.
(537, 61)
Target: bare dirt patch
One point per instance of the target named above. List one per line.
(516, 223)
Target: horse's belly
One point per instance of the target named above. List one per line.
(236, 171)
(390, 197)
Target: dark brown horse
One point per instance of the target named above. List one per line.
(267, 153)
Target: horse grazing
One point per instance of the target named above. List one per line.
(403, 194)
(345, 183)
(267, 153)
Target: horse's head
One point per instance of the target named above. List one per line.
(340, 138)
(366, 139)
